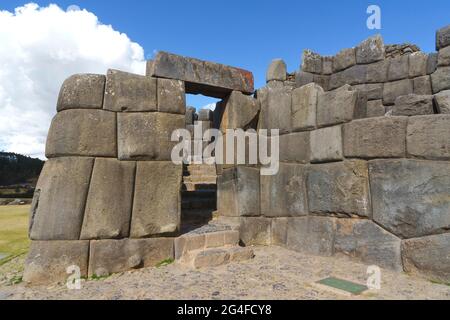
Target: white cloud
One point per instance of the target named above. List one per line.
(210, 106)
(39, 48)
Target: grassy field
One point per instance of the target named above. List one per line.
(13, 230)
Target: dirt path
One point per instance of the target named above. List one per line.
(275, 273)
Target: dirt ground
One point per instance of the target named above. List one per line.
(274, 273)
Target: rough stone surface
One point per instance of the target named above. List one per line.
(410, 197)
(59, 207)
(82, 91)
(294, 147)
(147, 136)
(398, 68)
(255, 231)
(444, 57)
(326, 144)
(190, 115)
(370, 50)
(344, 59)
(378, 72)
(382, 137)
(327, 65)
(413, 105)
(239, 112)
(366, 241)
(156, 205)
(108, 206)
(373, 91)
(428, 137)
(422, 85)
(340, 188)
(171, 97)
(82, 132)
(304, 105)
(443, 101)
(432, 62)
(278, 231)
(205, 115)
(112, 256)
(336, 106)
(48, 261)
(211, 258)
(284, 194)
(443, 37)
(208, 78)
(311, 62)
(428, 257)
(392, 90)
(418, 64)
(440, 79)
(302, 78)
(375, 108)
(276, 70)
(275, 107)
(129, 92)
(353, 76)
(311, 234)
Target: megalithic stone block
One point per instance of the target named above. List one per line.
(304, 105)
(276, 70)
(337, 106)
(443, 101)
(275, 101)
(208, 78)
(344, 59)
(394, 89)
(326, 144)
(157, 203)
(440, 79)
(190, 115)
(83, 133)
(240, 112)
(311, 62)
(418, 64)
(413, 105)
(255, 230)
(58, 210)
(108, 207)
(370, 50)
(171, 97)
(82, 91)
(443, 37)
(398, 68)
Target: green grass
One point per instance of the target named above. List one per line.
(165, 262)
(13, 230)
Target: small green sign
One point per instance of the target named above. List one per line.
(344, 285)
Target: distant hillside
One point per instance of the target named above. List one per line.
(16, 169)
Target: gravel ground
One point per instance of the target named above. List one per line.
(274, 273)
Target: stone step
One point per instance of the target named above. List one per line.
(199, 172)
(206, 179)
(190, 186)
(215, 257)
(198, 203)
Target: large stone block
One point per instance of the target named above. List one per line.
(304, 105)
(171, 97)
(326, 144)
(302, 78)
(284, 194)
(370, 50)
(190, 115)
(208, 78)
(275, 101)
(366, 241)
(314, 235)
(238, 192)
(381, 137)
(276, 70)
(418, 64)
(442, 100)
(327, 65)
(422, 85)
(398, 68)
(82, 91)
(432, 62)
(340, 188)
(278, 231)
(443, 37)
(413, 105)
(410, 198)
(392, 90)
(428, 257)
(147, 136)
(129, 92)
(353, 75)
(444, 57)
(378, 72)
(205, 115)
(373, 91)
(428, 137)
(323, 81)
(51, 261)
(240, 112)
(375, 108)
(82, 132)
(255, 231)
(157, 199)
(60, 199)
(440, 79)
(108, 206)
(336, 106)
(311, 62)
(294, 147)
(344, 59)
(112, 256)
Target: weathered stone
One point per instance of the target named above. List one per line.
(129, 92)
(413, 105)
(354, 75)
(398, 68)
(443, 101)
(255, 231)
(344, 59)
(284, 194)
(205, 115)
(49, 261)
(171, 97)
(275, 104)
(238, 192)
(147, 136)
(428, 257)
(370, 50)
(240, 112)
(82, 91)
(378, 72)
(190, 115)
(304, 105)
(294, 147)
(422, 85)
(432, 62)
(82, 132)
(62, 188)
(336, 106)
(238, 254)
(276, 70)
(367, 242)
(440, 80)
(410, 198)
(444, 57)
(373, 91)
(340, 188)
(418, 64)
(156, 205)
(428, 137)
(112, 256)
(382, 137)
(327, 65)
(375, 108)
(188, 242)
(323, 81)
(278, 231)
(311, 62)
(443, 37)
(326, 144)
(392, 90)
(149, 67)
(210, 258)
(221, 238)
(208, 78)
(314, 235)
(302, 78)
(108, 206)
